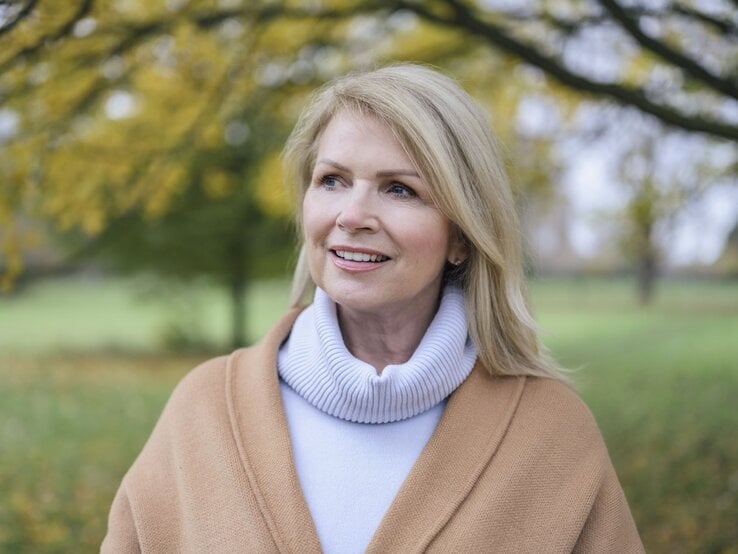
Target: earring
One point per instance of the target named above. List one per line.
(456, 262)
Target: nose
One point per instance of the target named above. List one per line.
(357, 212)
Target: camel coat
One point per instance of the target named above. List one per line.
(516, 464)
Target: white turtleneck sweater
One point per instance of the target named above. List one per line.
(355, 433)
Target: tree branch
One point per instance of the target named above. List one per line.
(570, 26)
(463, 19)
(725, 86)
(274, 11)
(20, 16)
(460, 17)
(721, 26)
(84, 8)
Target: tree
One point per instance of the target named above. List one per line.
(727, 263)
(111, 106)
(224, 223)
(658, 62)
(102, 103)
(154, 159)
(659, 51)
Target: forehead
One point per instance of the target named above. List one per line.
(361, 136)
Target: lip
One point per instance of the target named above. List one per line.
(354, 266)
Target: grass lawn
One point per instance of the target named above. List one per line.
(662, 383)
(83, 377)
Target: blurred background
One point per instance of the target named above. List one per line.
(144, 225)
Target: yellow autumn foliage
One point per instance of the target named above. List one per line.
(271, 194)
(109, 119)
(218, 184)
(166, 182)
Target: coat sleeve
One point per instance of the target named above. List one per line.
(122, 536)
(609, 527)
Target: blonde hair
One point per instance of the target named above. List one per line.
(448, 137)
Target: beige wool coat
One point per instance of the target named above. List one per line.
(515, 464)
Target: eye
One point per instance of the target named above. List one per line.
(400, 190)
(329, 182)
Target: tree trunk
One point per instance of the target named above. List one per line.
(646, 261)
(643, 214)
(646, 273)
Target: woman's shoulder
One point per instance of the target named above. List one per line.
(197, 416)
(209, 379)
(199, 395)
(550, 407)
(211, 376)
(548, 392)
(203, 377)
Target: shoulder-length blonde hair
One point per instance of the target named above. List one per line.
(447, 136)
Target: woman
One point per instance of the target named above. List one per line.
(411, 406)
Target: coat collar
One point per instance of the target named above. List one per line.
(471, 428)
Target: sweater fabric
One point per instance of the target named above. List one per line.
(317, 365)
(516, 464)
(356, 434)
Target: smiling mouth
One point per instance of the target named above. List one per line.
(360, 256)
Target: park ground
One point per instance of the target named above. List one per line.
(86, 365)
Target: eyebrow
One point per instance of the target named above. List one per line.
(384, 173)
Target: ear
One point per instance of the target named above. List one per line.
(458, 250)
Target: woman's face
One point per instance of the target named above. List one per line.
(376, 243)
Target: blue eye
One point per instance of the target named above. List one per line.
(403, 191)
(329, 181)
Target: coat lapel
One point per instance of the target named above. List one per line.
(471, 428)
(261, 433)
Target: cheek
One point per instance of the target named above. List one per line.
(428, 239)
(312, 217)
(313, 239)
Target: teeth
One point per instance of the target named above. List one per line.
(360, 256)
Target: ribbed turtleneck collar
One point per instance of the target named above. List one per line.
(316, 364)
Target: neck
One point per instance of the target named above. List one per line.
(384, 339)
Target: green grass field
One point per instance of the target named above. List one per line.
(83, 376)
